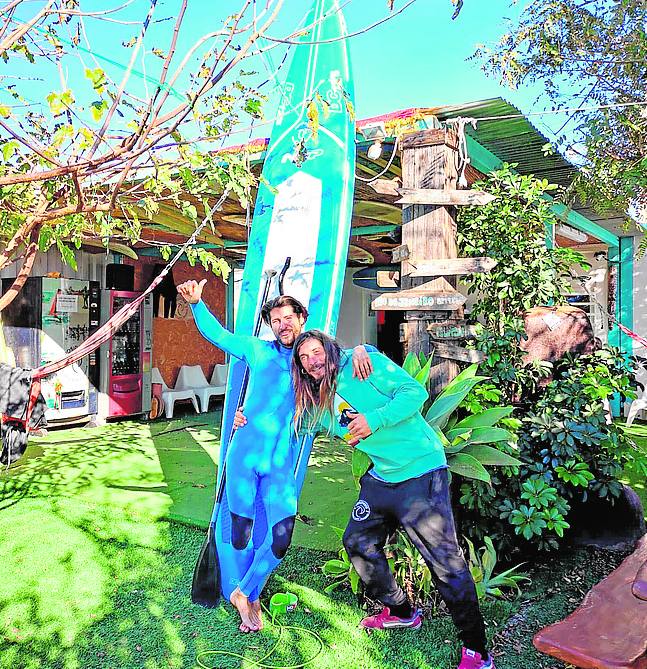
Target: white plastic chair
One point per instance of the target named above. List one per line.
(191, 377)
(171, 395)
(640, 403)
(219, 378)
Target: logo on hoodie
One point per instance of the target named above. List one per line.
(361, 511)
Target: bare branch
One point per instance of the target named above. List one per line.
(167, 61)
(124, 81)
(24, 27)
(30, 144)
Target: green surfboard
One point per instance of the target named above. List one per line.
(301, 224)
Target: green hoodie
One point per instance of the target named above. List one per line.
(402, 445)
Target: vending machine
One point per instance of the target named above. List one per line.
(126, 357)
(49, 318)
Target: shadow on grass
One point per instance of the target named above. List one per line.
(93, 576)
(94, 590)
(188, 456)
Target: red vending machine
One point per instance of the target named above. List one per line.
(126, 367)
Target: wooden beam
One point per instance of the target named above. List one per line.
(429, 161)
(428, 138)
(442, 197)
(453, 352)
(454, 266)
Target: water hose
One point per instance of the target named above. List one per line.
(281, 602)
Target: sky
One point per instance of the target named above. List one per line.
(419, 57)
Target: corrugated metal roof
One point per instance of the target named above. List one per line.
(517, 140)
(512, 140)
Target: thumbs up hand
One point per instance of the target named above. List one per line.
(191, 290)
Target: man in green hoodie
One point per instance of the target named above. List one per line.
(407, 484)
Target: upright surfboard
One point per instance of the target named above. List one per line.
(305, 213)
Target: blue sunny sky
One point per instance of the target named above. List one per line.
(417, 58)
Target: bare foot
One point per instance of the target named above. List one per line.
(248, 620)
(256, 609)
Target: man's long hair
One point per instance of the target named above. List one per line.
(314, 398)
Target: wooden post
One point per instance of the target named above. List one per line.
(429, 160)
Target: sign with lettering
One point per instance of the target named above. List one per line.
(415, 298)
(399, 253)
(455, 330)
(67, 303)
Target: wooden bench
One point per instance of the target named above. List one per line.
(609, 629)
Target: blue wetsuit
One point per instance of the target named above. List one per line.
(265, 462)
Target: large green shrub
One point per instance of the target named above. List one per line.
(569, 451)
(512, 230)
(568, 448)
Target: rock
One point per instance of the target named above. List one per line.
(609, 629)
(554, 331)
(615, 523)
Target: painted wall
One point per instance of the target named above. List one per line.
(355, 325)
(176, 341)
(640, 315)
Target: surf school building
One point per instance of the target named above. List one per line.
(615, 288)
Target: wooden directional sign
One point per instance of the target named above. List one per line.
(443, 197)
(453, 352)
(377, 277)
(451, 330)
(419, 298)
(454, 266)
(400, 253)
(386, 186)
(388, 279)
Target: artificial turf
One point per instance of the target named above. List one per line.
(638, 432)
(97, 574)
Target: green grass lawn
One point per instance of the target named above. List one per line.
(96, 571)
(638, 432)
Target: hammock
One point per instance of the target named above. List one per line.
(17, 423)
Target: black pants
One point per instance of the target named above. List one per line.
(422, 507)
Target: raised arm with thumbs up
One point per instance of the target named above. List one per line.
(191, 290)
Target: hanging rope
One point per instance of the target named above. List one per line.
(463, 155)
(386, 169)
(106, 331)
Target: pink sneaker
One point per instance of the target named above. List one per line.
(384, 620)
(472, 660)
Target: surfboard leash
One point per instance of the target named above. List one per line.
(261, 664)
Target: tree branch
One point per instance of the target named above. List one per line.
(124, 81)
(24, 28)
(23, 232)
(28, 264)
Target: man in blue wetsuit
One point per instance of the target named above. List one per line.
(263, 473)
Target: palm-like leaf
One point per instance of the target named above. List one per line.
(467, 466)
